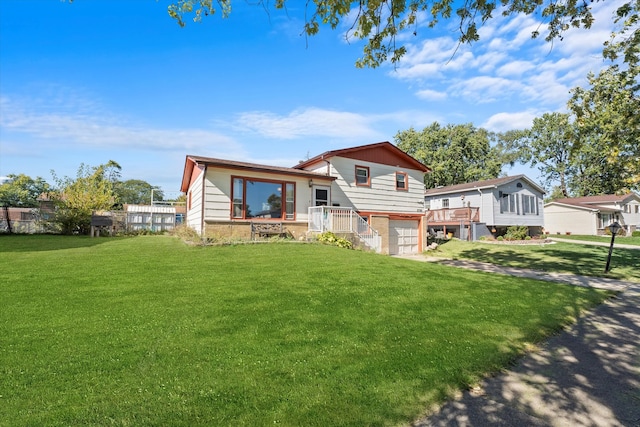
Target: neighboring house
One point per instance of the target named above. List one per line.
(374, 191)
(475, 209)
(18, 220)
(26, 220)
(153, 218)
(592, 214)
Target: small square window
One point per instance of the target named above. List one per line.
(362, 175)
(445, 203)
(401, 181)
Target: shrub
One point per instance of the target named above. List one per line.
(635, 233)
(331, 239)
(517, 232)
(500, 238)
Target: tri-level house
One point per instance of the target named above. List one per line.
(374, 192)
(591, 215)
(485, 208)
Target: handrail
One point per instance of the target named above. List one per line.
(343, 220)
(455, 214)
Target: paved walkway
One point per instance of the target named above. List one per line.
(588, 375)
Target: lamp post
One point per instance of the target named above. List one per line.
(613, 228)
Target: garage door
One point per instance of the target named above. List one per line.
(403, 237)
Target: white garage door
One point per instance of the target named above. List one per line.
(403, 237)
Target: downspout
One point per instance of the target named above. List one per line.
(330, 201)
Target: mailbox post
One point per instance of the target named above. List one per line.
(613, 228)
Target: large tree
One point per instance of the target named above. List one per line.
(574, 161)
(547, 145)
(608, 118)
(76, 199)
(455, 153)
(136, 192)
(22, 191)
(607, 113)
(383, 23)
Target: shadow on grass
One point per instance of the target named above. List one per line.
(47, 242)
(589, 262)
(583, 376)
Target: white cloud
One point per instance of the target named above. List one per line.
(485, 89)
(67, 123)
(515, 68)
(503, 122)
(431, 95)
(307, 122)
(507, 63)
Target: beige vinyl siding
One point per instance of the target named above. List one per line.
(563, 219)
(381, 195)
(194, 209)
(218, 192)
(217, 195)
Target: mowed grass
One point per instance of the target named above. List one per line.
(620, 240)
(573, 258)
(149, 331)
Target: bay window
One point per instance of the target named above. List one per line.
(262, 199)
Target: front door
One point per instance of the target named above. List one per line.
(321, 195)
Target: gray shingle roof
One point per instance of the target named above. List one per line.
(488, 183)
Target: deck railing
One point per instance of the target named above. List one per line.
(343, 220)
(453, 215)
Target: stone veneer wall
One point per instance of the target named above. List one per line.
(242, 229)
(380, 223)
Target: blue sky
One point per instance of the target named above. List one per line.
(100, 80)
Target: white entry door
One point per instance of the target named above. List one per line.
(321, 195)
(403, 237)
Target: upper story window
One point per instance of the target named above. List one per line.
(262, 199)
(362, 176)
(402, 181)
(627, 209)
(637, 208)
(445, 203)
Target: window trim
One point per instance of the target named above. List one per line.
(283, 206)
(365, 168)
(289, 216)
(406, 181)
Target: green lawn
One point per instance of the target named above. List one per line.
(148, 331)
(587, 260)
(627, 240)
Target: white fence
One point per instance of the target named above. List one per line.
(343, 220)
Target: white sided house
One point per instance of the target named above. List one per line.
(591, 215)
(374, 192)
(485, 208)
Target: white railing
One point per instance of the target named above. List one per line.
(343, 220)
